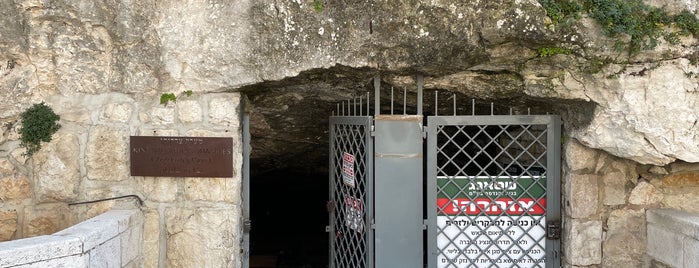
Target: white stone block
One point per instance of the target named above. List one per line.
(93, 232)
(664, 245)
(691, 252)
(73, 261)
(163, 116)
(189, 111)
(34, 249)
(107, 255)
(678, 221)
(583, 194)
(223, 111)
(131, 244)
(584, 241)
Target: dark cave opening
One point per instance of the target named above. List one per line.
(289, 215)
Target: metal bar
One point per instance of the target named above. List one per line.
(420, 81)
(246, 189)
(354, 107)
(391, 100)
(368, 104)
(404, 99)
(454, 103)
(473, 107)
(361, 106)
(492, 109)
(377, 95)
(436, 103)
(553, 182)
(343, 108)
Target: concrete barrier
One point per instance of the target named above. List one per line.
(673, 237)
(112, 239)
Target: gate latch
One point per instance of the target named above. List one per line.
(553, 230)
(247, 226)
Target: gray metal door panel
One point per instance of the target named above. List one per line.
(351, 192)
(493, 185)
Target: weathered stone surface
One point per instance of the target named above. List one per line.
(223, 110)
(45, 219)
(202, 237)
(624, 245)
(212, 189)
(106, 154)
(189, 111)
(685, 201)
(614, 188)
(163, 115)
(578, 157)
(686, 179)
(57, 169)
(583, 195)
(13, 184)
(8, 224)
(152, 231)
(645, 194)
(584, 242)
(158, 189)
(116, 112)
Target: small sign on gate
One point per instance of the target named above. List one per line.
(354, 213)
(348, 169)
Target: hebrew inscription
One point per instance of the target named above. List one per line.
(181, 156)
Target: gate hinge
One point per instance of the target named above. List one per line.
(372, 132)
(553, 230)
(425, 222)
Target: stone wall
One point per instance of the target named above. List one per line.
(88, 160)
(605, 203)
(672, 238)
(112, 239)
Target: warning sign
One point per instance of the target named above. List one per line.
(491, 222)
(348, 169)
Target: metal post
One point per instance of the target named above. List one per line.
(377, 95)
(420, 81)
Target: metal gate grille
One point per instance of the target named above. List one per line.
(351, 192)
(491, 178)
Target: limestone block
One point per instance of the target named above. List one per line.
(34, 249)
(45, 219)
(107, 158)
(583, 195)
(189, 111)
(686, 201)
(160, 189)
(151, 237)
(106, 255)
(223, 111)
(163, 115)
(207, 133)
(41, 226)
(691, 252)
(645, 194)
(57, 169)
(665, 245)
(682, 179)
(212, 189)
(8, 224)
(202, 237)
(584, 242)
(93, 232)
(625, 242)
(116, 112)
(158, 132)
(614, 188)
(131, 243)
(13, 184)
(578, 157)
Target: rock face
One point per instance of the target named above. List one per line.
(102, 65)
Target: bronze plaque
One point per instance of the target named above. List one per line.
(181, 156)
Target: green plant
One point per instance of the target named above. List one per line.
(561, 11)
(171, 97)
(318, 5)
(550, 51)
(39, 123)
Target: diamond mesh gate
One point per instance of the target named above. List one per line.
(493, 195)
(351, 192)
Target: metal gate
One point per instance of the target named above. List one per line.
(351, 192)
(492, 196)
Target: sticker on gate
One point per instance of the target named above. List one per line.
(491, 222)
(354, 214)
(348, 169)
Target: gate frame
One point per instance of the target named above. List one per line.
(553, 175)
